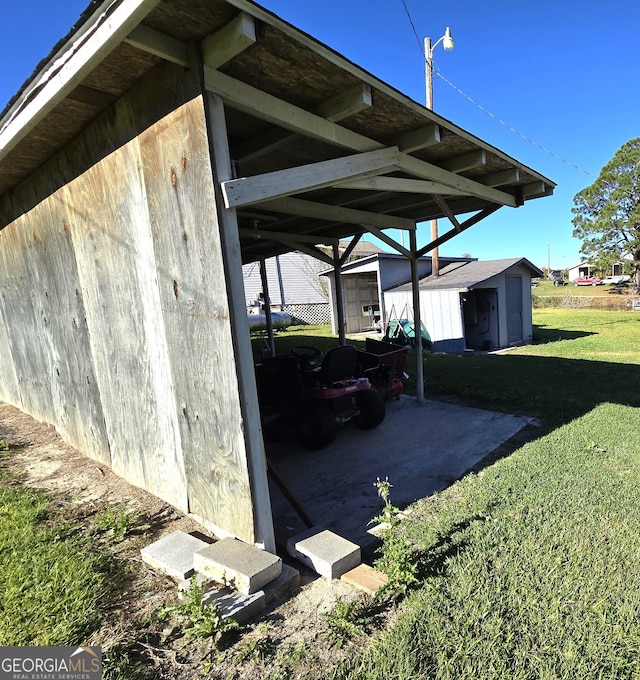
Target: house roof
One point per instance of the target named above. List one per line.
(469, 275)
(376, 159)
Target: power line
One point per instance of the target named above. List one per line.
(485, 110)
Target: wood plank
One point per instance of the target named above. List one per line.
(243, 97)
(111, 227)
(260, 188)
(338, 214)
(223, 45)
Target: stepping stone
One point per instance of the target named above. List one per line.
(173, 554)
(237, 564)
(326, 553)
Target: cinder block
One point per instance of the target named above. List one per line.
(326, 553)
(231, 604)
(173, 554)
(286, 584)
(365, 578)
(237, 564)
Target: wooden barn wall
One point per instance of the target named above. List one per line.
(114, 305)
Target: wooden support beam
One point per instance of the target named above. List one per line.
(266, 235)
(415, 166)
(465, 162)
(341, 106)
(338, 214)
(88, 95)
(260, 188)
(536, 189)
(309, 250)
(402, 185)
(228, 225)
(442, 204)
(389, 241)
(474, 219)
(349, 249)
(345, 104)
(421, 138)
(223, 45)
(251, 100)
(498, 179)
(162, 45)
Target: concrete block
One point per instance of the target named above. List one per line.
(237, 564)
(285, 585)
(326, 553)
(173, 554)
(230, 603)
(365, 578)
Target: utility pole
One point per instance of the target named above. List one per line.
(447, 44)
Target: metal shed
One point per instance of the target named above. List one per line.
(482, 304)
(159, 146)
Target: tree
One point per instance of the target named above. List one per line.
(607, 213)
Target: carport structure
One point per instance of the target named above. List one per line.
(161, 145)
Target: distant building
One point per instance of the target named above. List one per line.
(295, 285)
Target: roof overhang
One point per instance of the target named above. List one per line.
(322, 149)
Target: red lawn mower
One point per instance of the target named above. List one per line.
(309, 396)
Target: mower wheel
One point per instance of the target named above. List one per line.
(316, 427)
(372, 409)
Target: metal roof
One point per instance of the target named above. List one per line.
(469, 275)
(372, 158)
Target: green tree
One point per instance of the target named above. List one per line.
(607, 213)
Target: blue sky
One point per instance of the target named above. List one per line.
(562, 73)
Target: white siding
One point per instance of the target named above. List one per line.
(296, 283)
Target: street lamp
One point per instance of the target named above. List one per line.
(447, 44)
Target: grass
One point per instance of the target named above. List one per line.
(526, 570)
(529, 569)
(53, 579)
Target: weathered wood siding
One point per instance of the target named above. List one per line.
(113, 309)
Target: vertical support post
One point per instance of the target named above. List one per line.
(417, 325)
(267, 307)
(337, 277)
(256, 458)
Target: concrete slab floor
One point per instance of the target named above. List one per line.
(420, 448)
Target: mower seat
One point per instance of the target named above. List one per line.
(339, 363)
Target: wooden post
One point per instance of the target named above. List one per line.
(417, 325)
(267, 307)
(337, 276)
(256, 458)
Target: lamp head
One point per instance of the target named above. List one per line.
(447, 43)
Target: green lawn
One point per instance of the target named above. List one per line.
(54, 579)
(530, 569)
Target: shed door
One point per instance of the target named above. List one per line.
(514, 309)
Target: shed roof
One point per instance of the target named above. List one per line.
(377, 159)
(469, 275)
